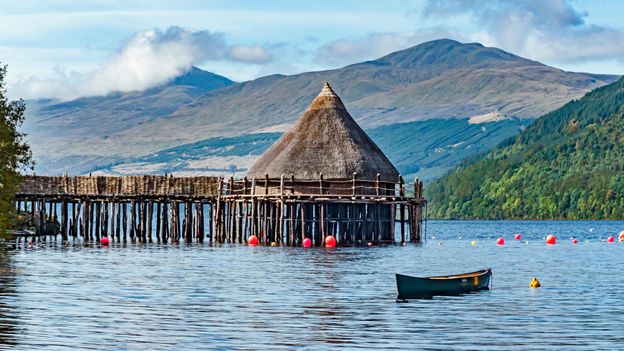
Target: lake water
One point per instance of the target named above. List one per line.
(234, 297)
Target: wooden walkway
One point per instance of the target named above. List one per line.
(168, 209)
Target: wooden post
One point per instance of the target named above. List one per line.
(124, 212)
(322, 220)
(64, 219)
(98, 218)
(118, 219)
(291, 224)
(164, 221)
(139, 220)
(402, 208)
(84, 226)
(240, 215)
(196, 233)
(172, 221)
(215, 213)
(413, 220)
(302, 219)
(211, 206)
(158, 220)
(254, 226)
(144, 220)
(132, 220)
(76, 210)
(281, 211)
(378, 205)
(178, 216)
(150, 214)
(353, 210)
(105, 215)
(265, 209)
(113, 218)
(202, 223)
(265, 216)
(245, 221)
(188, 218)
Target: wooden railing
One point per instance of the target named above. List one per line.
(207, 187)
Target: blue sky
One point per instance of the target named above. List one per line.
(65, 49)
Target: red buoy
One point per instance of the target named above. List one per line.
(330, 241)
(500, 241)
(551, 239)
(307, 242)
(518, 237)
(104, 241)
(574, 241)
(611, 239)
(252, 240)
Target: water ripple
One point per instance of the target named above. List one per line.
(231, 297)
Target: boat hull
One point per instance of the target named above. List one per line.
(426, 288)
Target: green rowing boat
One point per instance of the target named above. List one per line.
(447, 285)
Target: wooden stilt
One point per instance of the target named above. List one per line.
(164, 222)
(211, 222)
(150, 219)
(158, 220)
(188, 217)
(113, 218)
(64, 219)
(124, 206)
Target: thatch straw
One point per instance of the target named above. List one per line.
(325, 140)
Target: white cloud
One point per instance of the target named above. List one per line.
(543, 30)
(145, 60)
(375, 45)
(551, 31)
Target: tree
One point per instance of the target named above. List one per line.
(15, 155)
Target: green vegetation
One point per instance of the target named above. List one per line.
(431, 147)
(567, 164)
(14, 152)
(426, 148)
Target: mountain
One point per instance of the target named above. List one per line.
(568, 164)
(435, 80)
(440, 144)
(92, 122)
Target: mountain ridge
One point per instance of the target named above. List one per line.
(418, 83)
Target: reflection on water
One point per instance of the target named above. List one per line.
(9, 318)
(232, 297)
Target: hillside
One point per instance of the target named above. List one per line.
(435, 80)
(567, 164)
(80, 126)
(441, 144)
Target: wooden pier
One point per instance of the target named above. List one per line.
(168, 209)
(323, 177)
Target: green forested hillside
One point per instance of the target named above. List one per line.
(568, 164)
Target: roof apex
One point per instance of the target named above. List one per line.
(327, 91)
(327, 99)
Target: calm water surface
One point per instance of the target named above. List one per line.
(165, 297)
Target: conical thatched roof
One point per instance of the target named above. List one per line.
(325, 140)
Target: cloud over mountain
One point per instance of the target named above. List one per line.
(551, 31)
(542, 30)
(146, 59)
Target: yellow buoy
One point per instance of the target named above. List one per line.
(473, 243)
(535, 283)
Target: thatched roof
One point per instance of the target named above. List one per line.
(325, 140)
